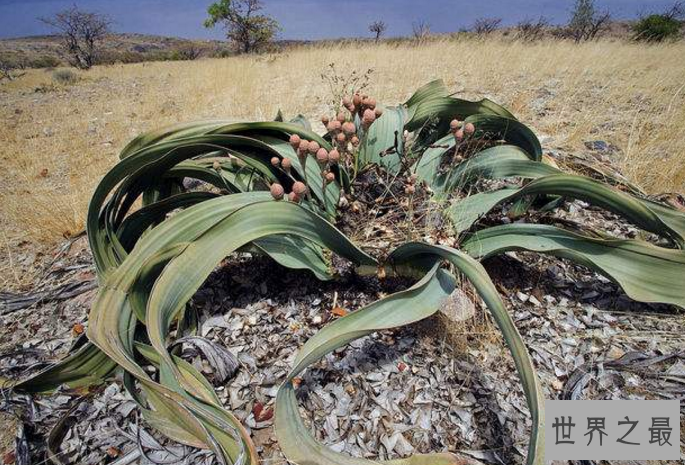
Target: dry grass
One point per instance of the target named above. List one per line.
(630, 95)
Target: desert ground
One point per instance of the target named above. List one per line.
(623, 102)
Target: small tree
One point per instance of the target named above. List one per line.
(531, 30)
(378, 28)
(82, 34)
(245, 26)
(486, 25)
(677, 11)
(421, 30)
(586, 21)
(188, 51)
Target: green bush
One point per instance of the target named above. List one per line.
(657, 28)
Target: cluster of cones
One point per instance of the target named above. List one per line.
(410, 184)
(299, 190)
(304, 148)
(344, 136)
(342, 128)
(461, 130)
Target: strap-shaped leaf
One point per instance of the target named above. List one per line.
(418, 302)
(148, 160)
(509, 129)
(383, 143)
(193, 242)
(188, 130)
(444, 109)
(432, 90)
(502, 161)
(647, 215)
(645, 272)
(86, 366)
(428, 165)
(477, 275)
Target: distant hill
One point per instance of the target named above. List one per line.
(43, 51)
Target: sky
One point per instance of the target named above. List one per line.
(307, 19)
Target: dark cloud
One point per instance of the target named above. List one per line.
(306, 19)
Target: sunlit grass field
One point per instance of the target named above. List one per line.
(56, 141)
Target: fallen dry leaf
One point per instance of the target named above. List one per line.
(77, 329)
(339, 311)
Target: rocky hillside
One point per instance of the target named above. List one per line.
(44, 51)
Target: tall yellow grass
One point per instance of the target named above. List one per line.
(627, 94)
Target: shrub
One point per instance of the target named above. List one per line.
(531, 30)
(484, 26)
(657, 28)
(186, 52)
(44, 61)
(10, 69)
(65, 77)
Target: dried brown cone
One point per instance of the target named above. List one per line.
(287, 164)
(356, 100)
(275, 161)
(378, 112)
(313, 147)
(355, 141)
(459, 135)
(322, 155)
(341, 117)
(303, 147)
(369, 117)
(349, 128)
(325, 120)
(454, 125)
(293, 197)
(334, 156)
(346, 101)
(340, 137)
(469, 129)
(334, 125)
(277, 191)
(330, 177)
(295, 141)
(299, 188)
(410, 190)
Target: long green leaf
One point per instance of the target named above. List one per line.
(645, 272)
(477, 275)
(509, 129)
(418, 302)
(383, 143)
(647, 215)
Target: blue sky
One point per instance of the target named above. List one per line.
(306, 19)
